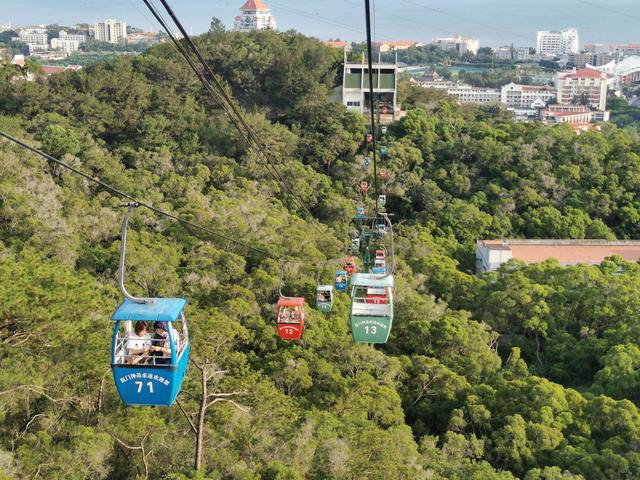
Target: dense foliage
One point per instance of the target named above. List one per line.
(530, 373)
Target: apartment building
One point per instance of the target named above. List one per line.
(526, 96)
(517, 54)
(110, 31)
(585, 86)
(457, 44)
(553, 43)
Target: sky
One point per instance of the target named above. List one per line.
(494, 22)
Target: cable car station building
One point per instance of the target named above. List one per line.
(355, 88)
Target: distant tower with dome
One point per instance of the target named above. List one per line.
(254, 15)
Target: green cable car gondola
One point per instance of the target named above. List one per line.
(324, 299)
(324, 292)
(371, 313)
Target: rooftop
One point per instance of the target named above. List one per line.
(587, 73)
(254, 5)
(566, 251)
(398, 43)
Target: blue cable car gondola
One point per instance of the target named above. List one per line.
(342, 280)
(148, 370)
(150, 379)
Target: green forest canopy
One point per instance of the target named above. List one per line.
(530, 372)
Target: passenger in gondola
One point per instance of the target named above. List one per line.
(295, 316)
(161, 345)
(285, 315)
(138, 344)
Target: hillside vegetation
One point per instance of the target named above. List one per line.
(528, 373)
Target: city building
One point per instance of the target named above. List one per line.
(526, 96)
(582, 59)
(491, 254)
(34, 38)
(254, 15)
(514, 96)
(517, 54)
(457, 44)
(624, 73)
(67, 42)
(586, 86)
(67, 46)
(355, 88)
(627, 50)
(147, 38)
(344, 46)
(469, 94)
(49, 70)
(5, 27)
(395, 45)
(77, 37)
(18, 60)
(110, 31)
(553, 43)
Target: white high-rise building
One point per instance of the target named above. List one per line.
(457, 44)
(110, 31)
(557, 43)
(254, 15)
(5, 27)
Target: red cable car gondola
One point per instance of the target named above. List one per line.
(350, 265)
(290, 318)
(364, 186)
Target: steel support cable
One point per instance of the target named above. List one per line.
(122, 194)
(217, 97)
(252, 139)
(371, 101)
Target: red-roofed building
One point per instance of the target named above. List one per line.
(56, 69)
(585, 86)
(490, 254)
(254, 15)
(344, 46)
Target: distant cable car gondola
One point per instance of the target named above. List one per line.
(146, 370)
(364, 186)
(324, 293)
(367, 162)
(355, 245)
(383, 129)
(290, 314)
(384, 173)
(383, 150)
(382, 200)
(350, 265)
(324, 300)
(360, 212)
(341, 280)
(369, 138)
(371, 314)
